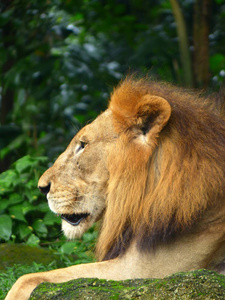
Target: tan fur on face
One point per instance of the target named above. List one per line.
(79, 178)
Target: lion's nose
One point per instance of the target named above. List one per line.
(45, 189)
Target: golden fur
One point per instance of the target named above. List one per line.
(152, 166)
(160, 189)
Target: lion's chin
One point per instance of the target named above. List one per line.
(72, 231)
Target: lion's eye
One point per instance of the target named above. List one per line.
(81, 146)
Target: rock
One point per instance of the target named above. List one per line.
(201, 284)
(12, 254)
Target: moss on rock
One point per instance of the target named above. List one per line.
(12, 254)
(201, 284)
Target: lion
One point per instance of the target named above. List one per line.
(152, 167)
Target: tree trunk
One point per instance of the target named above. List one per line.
(201, 42)
(183, 43)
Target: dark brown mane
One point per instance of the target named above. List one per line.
(156, 194)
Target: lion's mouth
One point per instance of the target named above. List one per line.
(74, 219)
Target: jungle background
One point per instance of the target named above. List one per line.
(59, 61)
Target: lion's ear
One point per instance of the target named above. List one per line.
(152, 114)
(143, 117)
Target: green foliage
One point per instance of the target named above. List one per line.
(217, 64)
(24, 214)
(5, 227)
(56, 75)
(8, 278)
(60, 60)
(81, 248)
(70, 253)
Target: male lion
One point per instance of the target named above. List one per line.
(152, 166)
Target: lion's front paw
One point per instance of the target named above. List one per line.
(23, 287)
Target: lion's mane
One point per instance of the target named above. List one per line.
(159, 191)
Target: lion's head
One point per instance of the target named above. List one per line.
(76, 185)
(150, 165)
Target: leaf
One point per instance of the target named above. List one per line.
(3, 204)
(21, 96)
(33, 240)
(5, 227)
(32, 195)
(41, 159)
(51, 219)
(4, 190)
(14, 199)
(43, 207)
(16, 143)
(4, 152)
(27, 207)
(20, 181)
(68, 247)
(24, 230)
(16, 212)
(28, 162)
(39, 227)
(217, 62)
(90, 237)
(7, 178)
(23, 163)
(220, 1)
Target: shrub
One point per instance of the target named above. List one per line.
(24, 213)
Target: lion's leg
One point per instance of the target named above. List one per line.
(23, 287)
(190, 252)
